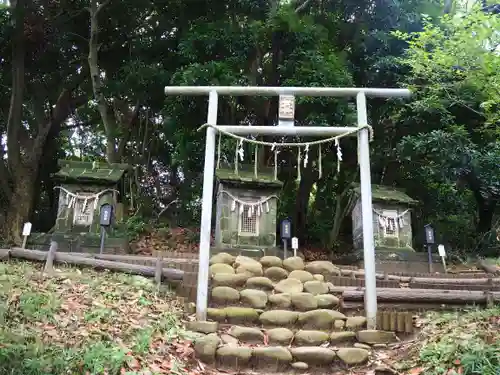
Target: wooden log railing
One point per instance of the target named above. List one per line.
(169, 274)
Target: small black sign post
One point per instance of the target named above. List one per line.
(286, 234)
(429, 240)
(106, 215)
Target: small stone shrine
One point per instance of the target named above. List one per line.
(392, 232)
(391, 219)
(84, 188)
(246, 209)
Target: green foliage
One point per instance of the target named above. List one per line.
(467, 342)
(456, 62)
(453, 147)
(132, 227)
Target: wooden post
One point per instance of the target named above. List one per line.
(158, 270)
(49, 263)
(489, 299)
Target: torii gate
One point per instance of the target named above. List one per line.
(361, 130)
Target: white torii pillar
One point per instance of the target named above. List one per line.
(364, 168)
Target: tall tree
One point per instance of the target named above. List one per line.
(32, 114)
(454, 70)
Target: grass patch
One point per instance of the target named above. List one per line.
(86, 322)
(466, 343)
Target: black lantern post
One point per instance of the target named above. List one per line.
(429, 241)
(105, 220)
(286, 234)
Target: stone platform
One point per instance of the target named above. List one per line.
(280, 314)
(395, 260)
(255, 252)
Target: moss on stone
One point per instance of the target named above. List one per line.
(245, 176)
(383, 193)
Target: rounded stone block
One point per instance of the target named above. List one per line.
(224, 279)
(276, 273)
(326, 300)
(241, 314)
(338, 337)
(319, 319)
(247, 334)
(274, 353)
(241, 259)
(301, 366)
(279, 317)
(228, 339)
(313, 355)
(221, 268)
(353, 356)
(322, 267)
(206, 347)
(225, 294)
(339, 325)
(193, 336)
(355, 322)
(289, 286)
(271, 261)
(219, 315)
(301, 275)
(222, 258)
(293, 263)
(260, 282)
(252, 269)
(245, 264)
(202, 327)
(253, 297)
(310, 338)
(372, 336)
(279, 336)
(304, 301)
(281, 300)
(319, 277)
(315, 287)
(239, 355)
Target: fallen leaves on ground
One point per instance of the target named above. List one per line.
(108, 323)
(462, 342)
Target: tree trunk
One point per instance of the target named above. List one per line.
(115, 142)
(485, 205)
(20, 204)
(24, 151)
(307, 181)
(486, 211)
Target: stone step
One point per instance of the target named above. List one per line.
(211, 349)
(261, 299)
(322, 319)
(244, 347)
(285, 336)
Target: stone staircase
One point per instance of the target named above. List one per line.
(278, 314)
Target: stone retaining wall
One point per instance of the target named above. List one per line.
(280, 312)
(272, 283)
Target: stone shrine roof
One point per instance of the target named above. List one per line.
(388, 194)
(91, 172)
(246, 177)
